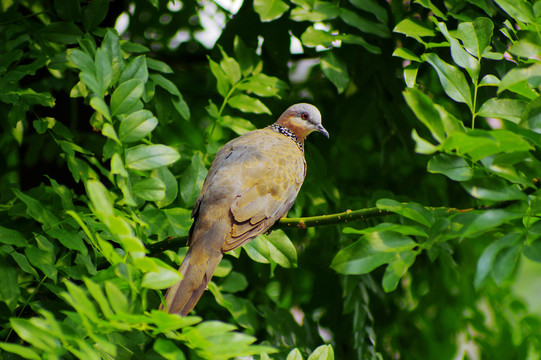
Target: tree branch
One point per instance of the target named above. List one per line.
(299, 223)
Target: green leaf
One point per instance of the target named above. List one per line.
(371, 251)
(460, 56)
(104, 69)
(24, 265)
(135, 69)
(222, 85)
(323, 352)
(170, 183)
(312, 37)
(294, 354)
(528, 45)
(518, 75)
(12, 237)
(98, 295)
(181, 106)
(518, 9)
(505, 263)
(353, 19)
(493, 189)
(321, 11)
(485, 264)
(166, 84)
(136, 126)
(180, 220)
(111, 44)
(335, 70)
(533, 251)
(509, 109)
(479, 144)
(160, 66)
(231, 68)
(426, 112)
(149, 157)
(281, 249)
(414, 29)
(68, 10)
(396, 269)
(167, 349)
(263, 85)
(192, 180)
(37, 211)
(82, 61)
(238, 125)
(100, 198)
(43, 260)
(71, 240)
(481, 222)
(117, 299)
(452, 166)
(150, 189)
(158, 275)
(234, 282)
(61, 33)
(373, 7)
(95, 13)
(100, 106)
(406, 54)
(9, 286)
(452, 79)
(126, 96)
(248, 104)
(476, 36)
(24, 352)
(269, 10)
(411, 211)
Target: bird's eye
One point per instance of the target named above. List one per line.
(304, 116)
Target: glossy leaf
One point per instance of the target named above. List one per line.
(452, 79)
(126, 96)
(454, 167)
(150, 157)
(192, 180)
(496, 190)
(485, 264)
(61, 32)
(170, 183)
(371, 251)
(11, 237)
(424, 109)
(270, 10)
(476, 36)
(336, 71)
(136, 126)
(411, 211)
(414, 29)
(248, 104)
(509, 109)
(151, 189)
(518, 75)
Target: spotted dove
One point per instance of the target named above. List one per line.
(252, 182)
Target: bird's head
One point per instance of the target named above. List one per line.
(302, 119)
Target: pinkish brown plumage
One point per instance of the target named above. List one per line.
(252, 182)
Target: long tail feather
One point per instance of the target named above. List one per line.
(197, 268)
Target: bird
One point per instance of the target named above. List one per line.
(252, 182)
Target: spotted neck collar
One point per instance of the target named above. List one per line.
(288, 133)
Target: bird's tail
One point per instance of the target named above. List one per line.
(197, 268)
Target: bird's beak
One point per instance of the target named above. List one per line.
(322, 130)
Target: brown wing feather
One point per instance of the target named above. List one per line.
(252, 182)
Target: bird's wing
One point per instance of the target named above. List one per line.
(260, 174)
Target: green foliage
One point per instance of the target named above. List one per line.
(433, 110)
